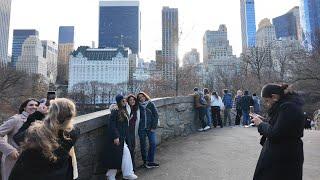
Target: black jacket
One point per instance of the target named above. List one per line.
(246, 101)
(148, 117)
(281, 157)
(116, 129)
(19, 136)
(33, 165)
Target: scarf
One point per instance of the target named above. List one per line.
(144, 106)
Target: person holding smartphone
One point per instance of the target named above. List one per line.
(282, 153)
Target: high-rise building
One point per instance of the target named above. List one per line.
(5, 9)
(170, 41)
(66, 34)
(50, 53)
(216, 45)
(310, 21)
(119, 24)
(248, 24)
(266, 33)
(19, 36)
(31, 59)
(288, 25)
(191, 58)
(65, 47)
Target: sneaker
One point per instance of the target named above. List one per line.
(152, 165)
(206, 128)
(200, 130)
(246, 126)
(131, 176)
(144, 165)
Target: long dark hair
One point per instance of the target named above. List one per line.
(135, 107)
(283, 90)
(25, 103)
(144, 94)
(122, 112)
(214, 93)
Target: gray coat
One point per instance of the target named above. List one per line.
(7, 145)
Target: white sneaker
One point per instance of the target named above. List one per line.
(200, 130)
(111, 178)
(131, 176)
(246, 126)
(206, 128)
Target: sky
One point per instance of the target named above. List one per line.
(195, 17)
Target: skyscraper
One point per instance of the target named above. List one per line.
(5, 8)
(31, 59)
(288, 25)
(266, 33)
(50, 53)
(65, 47)
(19, 36)
(191, 58)
(310, 21)
(66, 34)
(170, 40)
(119, 24)
(248, 24)
(216, 45)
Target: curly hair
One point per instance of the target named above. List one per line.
(44, 135)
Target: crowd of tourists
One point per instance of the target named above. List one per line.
(38, 142)
(209, 107)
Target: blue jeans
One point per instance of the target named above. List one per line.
(152, 145)
(246, 118)
(208, 115)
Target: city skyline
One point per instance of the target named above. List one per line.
(195, 18)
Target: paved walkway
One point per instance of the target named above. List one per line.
(222, 154)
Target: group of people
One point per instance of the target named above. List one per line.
(131, 117)
(38, 143)
(281, 131)
(209, 106)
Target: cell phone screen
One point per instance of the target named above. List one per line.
(251, 109)
(50, 96)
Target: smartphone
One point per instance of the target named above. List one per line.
(251, 109)
(50, 96)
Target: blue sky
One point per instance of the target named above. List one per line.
(195, 17)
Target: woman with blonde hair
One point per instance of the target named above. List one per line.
(48, 144)
(8, 147)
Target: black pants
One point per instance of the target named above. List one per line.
(201, 114)
(132, 146)
(238, 117)
(216, 117)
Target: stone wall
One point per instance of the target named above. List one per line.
(176, 117)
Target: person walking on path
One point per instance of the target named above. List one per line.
(118, 153)
(8, 147)
(207, 97)
(216, 106)
(256, 103)
(200, 106)
(227, 101)
(149, 119)
(282, 156)
(246, 102)
(237, 101)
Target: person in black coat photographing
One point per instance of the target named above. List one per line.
(281, 157)
(118, 153)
